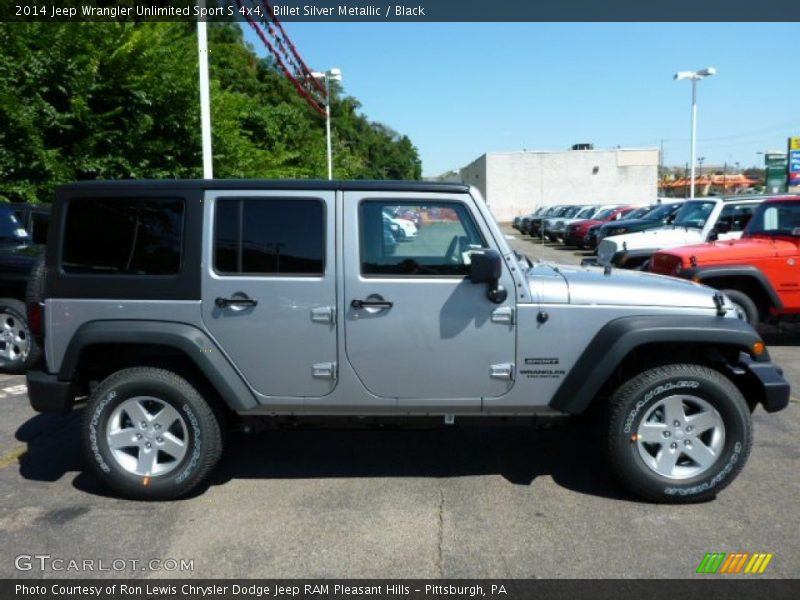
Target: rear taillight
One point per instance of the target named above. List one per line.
(35, 318)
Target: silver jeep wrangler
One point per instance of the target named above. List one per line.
(174, 310)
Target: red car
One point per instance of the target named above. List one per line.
(575, 232)
(760, 272)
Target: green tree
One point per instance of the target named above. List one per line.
(120, 100)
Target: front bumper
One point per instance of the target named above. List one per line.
(48, 394)
(772, 387)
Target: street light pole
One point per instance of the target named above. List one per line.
(694, 137)
(694, 76)
(328, 126)
(336, 75)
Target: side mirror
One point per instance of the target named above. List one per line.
(486, 266)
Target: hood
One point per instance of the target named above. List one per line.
(631, 223)
(591, 286)
(734, 251)
(663, 237)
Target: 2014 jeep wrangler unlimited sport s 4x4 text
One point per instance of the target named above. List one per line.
(173, 307)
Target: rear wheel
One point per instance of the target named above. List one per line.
(678, 433)
(18, 349)
(148, 434)
(744, 306)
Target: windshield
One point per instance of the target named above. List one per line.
(571, 212)
(635, 214)
(694, 214)
(604, 214)
(586, 213)
(779, 218)
(10, 227)
(660, 212)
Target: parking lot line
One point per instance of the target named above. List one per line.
(13, 390)
(10, 458)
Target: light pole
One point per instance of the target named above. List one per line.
(694, 77)
(335, 75)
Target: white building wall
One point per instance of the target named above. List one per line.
(514, 183)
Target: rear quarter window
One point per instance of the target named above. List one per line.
(124, 236)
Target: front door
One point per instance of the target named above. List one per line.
(415, 326)
(269, 293)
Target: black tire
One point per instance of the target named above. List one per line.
(19, 359)
(203, 433)
(743, 303)
(632, 401)
(34, 292)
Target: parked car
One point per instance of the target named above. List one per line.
(522, 222)
(533, 225)
(696, 221)
(590, 230)
(760, 272)
(659, 216)
(575, 234)
(404, 228)
(549, 220)
(23, 231)
(401, 212)
(173, 308)
(557, 231)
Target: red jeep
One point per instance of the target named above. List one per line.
(759, 272)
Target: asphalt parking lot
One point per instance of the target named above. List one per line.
(456, 502)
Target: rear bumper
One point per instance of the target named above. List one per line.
(48, 394)
(775, 390)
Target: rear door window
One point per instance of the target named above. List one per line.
(270, 236)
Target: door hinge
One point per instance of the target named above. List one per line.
(502, 371)
(324, 370)
(324, 314)
(504, 314)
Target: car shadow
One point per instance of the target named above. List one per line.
(568, 453)
(783, 334)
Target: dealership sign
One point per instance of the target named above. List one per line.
(794, 161)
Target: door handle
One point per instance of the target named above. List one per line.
(371, 304)
(226, 302)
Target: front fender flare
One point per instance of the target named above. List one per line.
(703, 274)
(618, 338)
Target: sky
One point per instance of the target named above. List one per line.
(459, 90)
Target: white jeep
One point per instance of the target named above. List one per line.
(699, 220)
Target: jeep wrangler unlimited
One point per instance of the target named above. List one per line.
(174, 307)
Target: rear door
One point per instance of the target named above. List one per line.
(415, 326)
(269, 292)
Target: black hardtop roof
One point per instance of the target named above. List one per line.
(270, 184)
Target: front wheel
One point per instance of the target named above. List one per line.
(678, 433)
(148, 434)
(745, 308)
